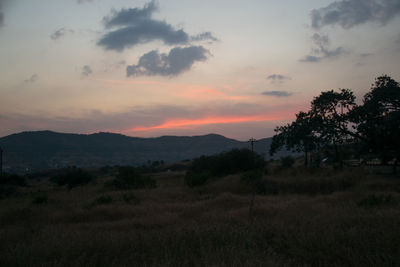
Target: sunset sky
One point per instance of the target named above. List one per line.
(169, 67)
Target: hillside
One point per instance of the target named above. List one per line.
(30, 151)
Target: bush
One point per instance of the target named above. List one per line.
(7, 191)
(254, 178)
(196, 178)
(102, 200)
(40, 199)
(234, 161)
(287, 162)
(12, 179)
(129, 178)
(376, 200)
(72, 177)
(131, 198)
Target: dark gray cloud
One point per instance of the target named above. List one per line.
(365, 55)
(143, 33)
(205, 36)
(321, 49)
(131, 16)
(350, 13)
(86, 70)
(177, 61)
(278, 78)
(84, 1)
(277, 93)
(60, 33)
(2, 2)
(32, 79)
(135, 26)
(1, 18)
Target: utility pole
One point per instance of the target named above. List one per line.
(252, 141)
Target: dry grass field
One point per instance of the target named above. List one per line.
(304, 218)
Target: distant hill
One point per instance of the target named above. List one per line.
(31, 151)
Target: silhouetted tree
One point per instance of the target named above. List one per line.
(330, 111)
(299, 136)
(377, 119)
(335, 117)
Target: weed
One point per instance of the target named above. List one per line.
(376, 200)
(72, 177)
(129, 178)
(40, 199)
(131, 198)
(8, 179)
(102, 200)
(197, 178)
(287, 162)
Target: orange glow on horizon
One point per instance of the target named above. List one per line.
(179, 123)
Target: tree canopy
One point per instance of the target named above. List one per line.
(334, 118)
(377, 119)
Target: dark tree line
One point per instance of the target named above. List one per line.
(335, 119)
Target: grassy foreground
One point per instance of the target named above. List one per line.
(320, 218)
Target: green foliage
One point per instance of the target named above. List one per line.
(287, 162)
(377, 120)
(12, 180)
(106, 170)
(334, 119)
(7, 191)
(131, 198)
(103, 200)
(302, 185)
(40, 199)
(234, 161)
(331, 110)
(254, 178)
(376, 200)
(297, 136)
(193, 178)
(129, 178)
(72, 177)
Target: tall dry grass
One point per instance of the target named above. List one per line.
(310, 219)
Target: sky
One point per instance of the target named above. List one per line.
(169, 67)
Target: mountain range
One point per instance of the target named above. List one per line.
(38, 150)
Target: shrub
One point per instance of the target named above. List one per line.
(12, 179)
(302, 185)
(72, 177)
(129, 178)
(234, 161)
(102, 200)
(287, 162)
(254, 178)
(40, 199)
(376, 200)
(131, 198)
(197, 178)
(7, 191)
